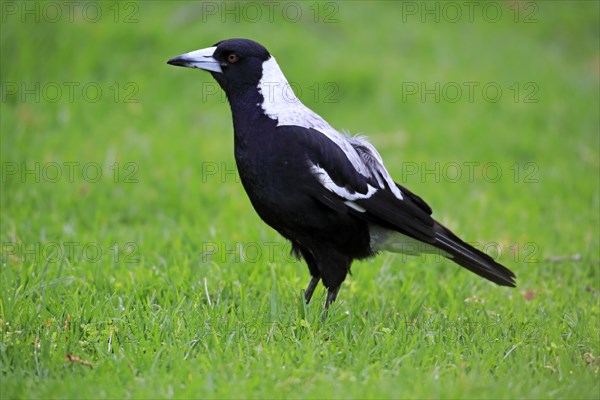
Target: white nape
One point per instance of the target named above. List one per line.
(281, 104)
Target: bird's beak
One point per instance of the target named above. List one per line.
(202, 59)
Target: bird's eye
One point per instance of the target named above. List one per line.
(232, 58)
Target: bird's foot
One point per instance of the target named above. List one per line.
(310, 289)
(331, 296)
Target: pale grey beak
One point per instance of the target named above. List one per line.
(202, 59)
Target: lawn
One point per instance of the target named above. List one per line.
(133, 265)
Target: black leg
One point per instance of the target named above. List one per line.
(311, 288)
(331, 295)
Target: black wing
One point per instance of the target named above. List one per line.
(378, 199)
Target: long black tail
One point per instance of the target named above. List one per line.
(472, 259)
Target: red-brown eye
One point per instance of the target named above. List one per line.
(232, 58)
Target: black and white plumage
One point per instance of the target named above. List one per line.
(328, 193)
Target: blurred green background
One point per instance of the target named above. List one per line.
(489, 110)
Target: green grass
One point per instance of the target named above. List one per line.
(160, 275)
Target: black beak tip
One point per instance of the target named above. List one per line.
(177, 61)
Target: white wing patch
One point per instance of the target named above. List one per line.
(281, 104)
(330, 185)
(374, 163)
(355, 206)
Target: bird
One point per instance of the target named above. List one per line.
(325, 191)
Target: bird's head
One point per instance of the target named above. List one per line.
(234, 63)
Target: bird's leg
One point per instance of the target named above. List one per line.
(331, 295)
(311, 288)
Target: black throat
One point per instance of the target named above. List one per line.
(250, 123)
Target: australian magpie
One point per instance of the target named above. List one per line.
(328, 193)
